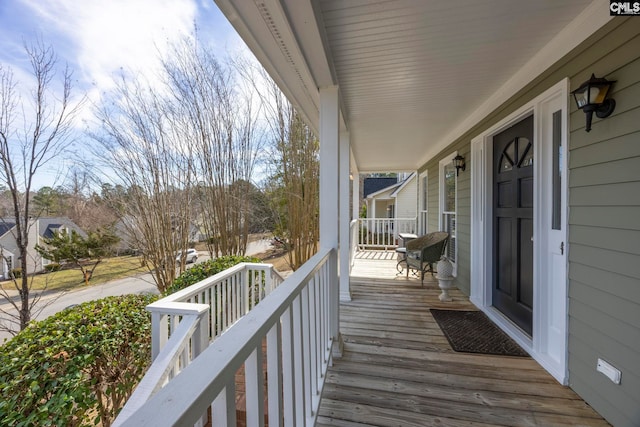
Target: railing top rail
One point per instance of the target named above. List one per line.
(176, 307)
(194, 289)
(192, 391)
(385, 219)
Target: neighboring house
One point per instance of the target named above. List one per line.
(126, 229)
(377, 197)
(545, 216)
(40, 229)
(391, 197)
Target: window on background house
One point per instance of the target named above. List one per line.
(424, 204)
(448, 192)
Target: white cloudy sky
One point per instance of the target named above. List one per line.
(98, 38)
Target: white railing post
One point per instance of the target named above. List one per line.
(159, 335)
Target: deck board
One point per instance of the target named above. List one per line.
(398, 369)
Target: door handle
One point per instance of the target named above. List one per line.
(561, 248)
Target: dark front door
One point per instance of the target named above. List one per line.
(513, 223)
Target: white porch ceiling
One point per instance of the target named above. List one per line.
(410, 72)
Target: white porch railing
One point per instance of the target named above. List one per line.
(297, 323)
(382, 233)
(230, 294)
(185, 322)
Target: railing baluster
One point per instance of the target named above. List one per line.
(254, 388)
(288, 392)
(327, 307)
(380, 232)
(223, 409)
(274, 375)
(313, 336)
(306, 348)
(218, 308)
(298, 365)
(246, 277)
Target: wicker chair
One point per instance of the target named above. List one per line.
(424, 251)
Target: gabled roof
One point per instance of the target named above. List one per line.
(374, 185)
(6, 226)
(49, 225)
(50, 230)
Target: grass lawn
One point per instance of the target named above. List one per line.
(108, 269)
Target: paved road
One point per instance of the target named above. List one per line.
(57, 301)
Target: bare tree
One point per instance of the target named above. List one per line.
(141, 145)
(217, 112)
(293, 185)
(189, 142)
(33, 133)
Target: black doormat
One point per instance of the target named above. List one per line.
(473, 332)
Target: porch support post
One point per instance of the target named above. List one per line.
(345, 214)
(356, 194)
(329, 171)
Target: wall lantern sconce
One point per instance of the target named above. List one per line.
(458, 162)
(591, 97)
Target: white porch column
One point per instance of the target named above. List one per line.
(329, 171)
(345, 216)
(356, 194)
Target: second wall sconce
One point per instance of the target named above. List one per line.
(459, 163)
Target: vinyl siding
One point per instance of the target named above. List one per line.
(604, 218)
(604, 233)
(406, 200)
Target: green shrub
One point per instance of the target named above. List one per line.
(206, 269)
(77, 367)
(54, 266)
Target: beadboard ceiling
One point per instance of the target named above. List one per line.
(410, 72)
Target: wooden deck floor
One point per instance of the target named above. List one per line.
(399, 370)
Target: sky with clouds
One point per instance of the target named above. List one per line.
(98, 38)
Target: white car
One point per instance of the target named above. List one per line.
(190, 256)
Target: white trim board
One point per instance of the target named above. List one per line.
(549, 343)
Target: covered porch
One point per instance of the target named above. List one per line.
(276, 364)
(397, 367)
(350, 343)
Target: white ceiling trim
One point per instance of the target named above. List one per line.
(588, 22)
(273, 43)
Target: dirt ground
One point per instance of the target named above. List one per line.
(276, 257)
